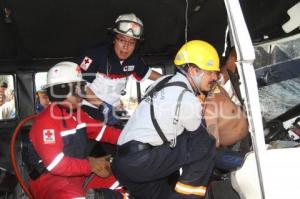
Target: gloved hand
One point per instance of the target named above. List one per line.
(39, 108)
(108, 112)
(228, 160)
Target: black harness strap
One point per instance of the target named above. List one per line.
(163, 84)
(157, 87)
(178, 105)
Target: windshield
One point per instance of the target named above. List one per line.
(279, 97)
(277, 51)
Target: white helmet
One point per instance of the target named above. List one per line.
(63, 72)
(129, 25)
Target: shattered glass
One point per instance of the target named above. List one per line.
(276, 99)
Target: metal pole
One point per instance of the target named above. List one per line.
(249, 89)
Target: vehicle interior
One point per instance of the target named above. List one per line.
(35, 35)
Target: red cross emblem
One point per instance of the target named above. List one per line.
(49, 136)
(86, 62)
(56, 72)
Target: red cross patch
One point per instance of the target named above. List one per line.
(49, 136)
(56, 72)
(86, 62)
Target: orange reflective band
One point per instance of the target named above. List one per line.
(190, 190)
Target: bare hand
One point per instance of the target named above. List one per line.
(101, 166)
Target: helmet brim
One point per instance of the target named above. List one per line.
(67, 82)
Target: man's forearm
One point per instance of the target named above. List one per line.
(92, 98)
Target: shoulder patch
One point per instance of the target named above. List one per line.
(49, 136)
(86, 62)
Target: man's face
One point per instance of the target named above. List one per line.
(124, 46)
(2, 90)
(204, 80)
(44, 99)
(208, 80)
(76, 96)
(73, 102)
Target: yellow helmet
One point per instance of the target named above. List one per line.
(200, 53)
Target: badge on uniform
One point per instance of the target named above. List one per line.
(49, 136)
(86, 62)
(128, 68)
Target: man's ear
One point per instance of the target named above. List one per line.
(192, 70)
(189, 69)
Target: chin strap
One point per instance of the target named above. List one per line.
(200, 95)
(195, 88)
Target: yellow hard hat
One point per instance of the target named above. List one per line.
(200, 53)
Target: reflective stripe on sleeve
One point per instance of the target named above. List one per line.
(81, 126)
(115, 185)
(73, 131)
(190, 190)
(56, 161)
(99, 136)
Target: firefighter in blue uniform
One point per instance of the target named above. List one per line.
(167, 131)
(107, 68)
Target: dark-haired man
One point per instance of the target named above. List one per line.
(108, 67)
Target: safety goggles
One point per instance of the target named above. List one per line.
(126, 27)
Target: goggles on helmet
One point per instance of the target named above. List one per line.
(126, 27)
